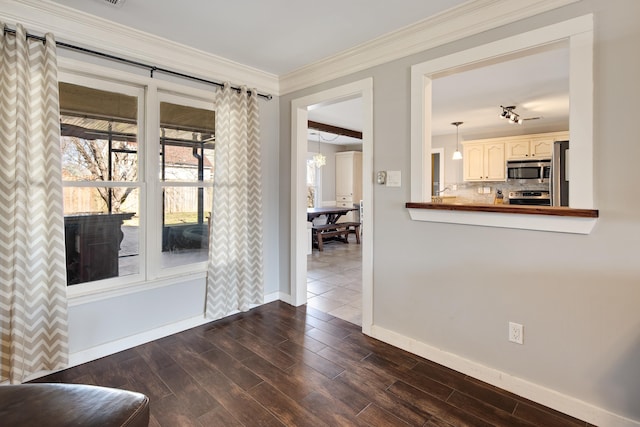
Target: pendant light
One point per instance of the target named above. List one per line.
(457, 155)
(319, 159)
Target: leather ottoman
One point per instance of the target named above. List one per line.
(55, 405)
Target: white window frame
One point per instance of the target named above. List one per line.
(150, 91)
(154, 258)
(138, 92)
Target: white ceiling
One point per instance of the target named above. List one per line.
(535, 82)
(280, 36)
(277, 36)
(345, 114)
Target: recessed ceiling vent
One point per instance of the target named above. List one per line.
(116, 3)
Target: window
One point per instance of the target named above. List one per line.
(186, 176)
(100, 172)
(314, 183)
(137, 180)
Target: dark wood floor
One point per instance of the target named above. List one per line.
(280, 365)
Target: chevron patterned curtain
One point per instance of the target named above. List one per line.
(33, 294)
(234, 273)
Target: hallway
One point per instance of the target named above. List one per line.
(334, 280)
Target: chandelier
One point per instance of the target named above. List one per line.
(319, 159)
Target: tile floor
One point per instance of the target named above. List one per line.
(334, 280)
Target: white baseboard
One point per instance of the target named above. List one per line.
(276, 296)
(545, 396)
(112, 347)
(284, 298)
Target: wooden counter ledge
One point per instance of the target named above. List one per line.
(508, 209)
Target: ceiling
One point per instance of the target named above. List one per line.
(276, 36)
(345, 114)
(280, 36)
(536, 82)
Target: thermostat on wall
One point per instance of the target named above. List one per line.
(394, 178)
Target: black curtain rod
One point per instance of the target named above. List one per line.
(152, 68)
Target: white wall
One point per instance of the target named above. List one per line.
(452, 168)
(455, 287)
(96, 323)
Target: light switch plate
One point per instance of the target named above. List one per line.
(394, 178)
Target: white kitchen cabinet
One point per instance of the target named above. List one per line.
(541, 147)
(348, 181)
(473, 161)
(484, 161)
(537, 146)
(517, 149)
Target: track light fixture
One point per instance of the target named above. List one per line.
(512, 116)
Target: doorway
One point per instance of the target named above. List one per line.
(299, 120)
(334, 180)
(437, 171)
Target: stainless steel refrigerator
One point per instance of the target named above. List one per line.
(559, 174)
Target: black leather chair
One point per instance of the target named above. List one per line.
(54, 405)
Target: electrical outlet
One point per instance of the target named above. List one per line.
(516, 333)
(454, 187)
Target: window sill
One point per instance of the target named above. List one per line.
(541, 218)
(92, 292)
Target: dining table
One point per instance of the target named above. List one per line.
(333, 213)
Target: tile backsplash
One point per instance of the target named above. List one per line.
(468, 192)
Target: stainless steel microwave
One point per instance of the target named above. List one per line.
(529, 170)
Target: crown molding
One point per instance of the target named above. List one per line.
(96, 33)
(85, 30)
(466, 20)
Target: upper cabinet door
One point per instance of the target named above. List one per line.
(473, 160)
(518, 149)
(534, 146)
(349, 176)
(495, 167)
(484, 162)
(344, 175)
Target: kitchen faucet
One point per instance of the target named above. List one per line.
(435, 198)
(438, 192)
